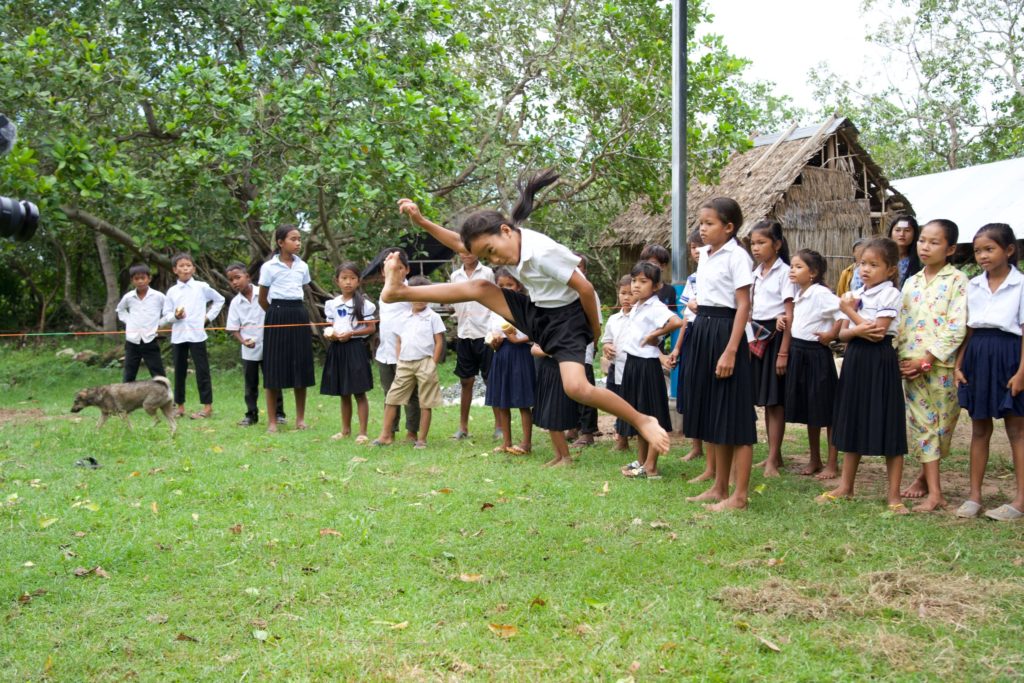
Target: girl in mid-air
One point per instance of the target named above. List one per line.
(560, 313)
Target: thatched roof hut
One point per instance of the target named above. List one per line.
(818, 181)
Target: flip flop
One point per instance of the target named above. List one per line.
(420, 445)
(460, 435)
(361, 439)
(377, 443)
(825, 499)
(640, 473)
(339, 436)
(199, 415)
(968, 509)
(1005, 513)
(899, 509)
(516, 450)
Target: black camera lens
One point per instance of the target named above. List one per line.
(18, 220)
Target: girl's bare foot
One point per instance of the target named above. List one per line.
(811, 468)
(833, 495)
(558, 461)
(692, 455)
(919, 489)
(301, 425)
(710, 494)
(653, 433)
(340, 435)
(392, 279)
(828, 473)
(525, 447)
(272, 428)
(703, 476)
(731, 503)
(762, 463)
(771, 470)
(931, 504)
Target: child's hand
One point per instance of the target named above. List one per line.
(179, 312)
(1016, 384)
(825, 338)
(909, 369)
(869, 331)
(781, 363)
(650, 340)
(848, 304)
(343, 336)
(781, 323)
(409, 208)
(608, 351)
(960, 379)
(673, 357)
(666, 362)
(726, 364)
(692, 304)
(249, 342)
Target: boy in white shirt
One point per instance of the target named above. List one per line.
(245, 323)
(140, 311)
(189, 305)
(472, 355)
(419, 343)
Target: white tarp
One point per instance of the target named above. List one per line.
(970, 197)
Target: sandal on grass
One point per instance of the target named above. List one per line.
(339, 436)
(640, 473)
(1005, 513)
(377, 443)
(968, 509)
(631, 466)
(899, 509)
(826, 498)
(200, 415)
(516, 450)
(361, 439)
(420, 445)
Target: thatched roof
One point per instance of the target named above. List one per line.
(760, 177)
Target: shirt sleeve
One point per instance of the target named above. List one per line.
(889, 303)
(217, 300)
(558, 264)
(234, 318)
(369, 310)
(266, 276)
(305, 274)
(742, 270)
(122, 308)
(330, 311)
(436, 324)
(168, 308)
(609, 331)
(952, 330)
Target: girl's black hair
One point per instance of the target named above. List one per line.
(282, 232)
(357, 296)
(625, 281)
(773, 230)
(375, 266)
(694, 239)
(489, 222)
(648, 270)
(504, 271)
(914, 264)
(419, 281)
(815, 262)
(949, 229)
(1001, 234)
(729, 211)
(656, 252)
(890, 253)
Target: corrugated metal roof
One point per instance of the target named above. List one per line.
(798, 134)
(970, 197)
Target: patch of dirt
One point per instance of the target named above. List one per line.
(8, 416)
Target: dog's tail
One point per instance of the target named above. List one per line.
(166, 382)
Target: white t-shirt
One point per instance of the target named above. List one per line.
(722, 273)
(545, 267)
(1002, 309)
(201, 302)
(881, 301)
(141, 317)
(284, 282)
(614, 332)
(815, 311)
(771, 291)
(416, 331)
(341, 313)
(473, 318)
(689, 291)
(247, 318)
(388, 325)
(644, 318)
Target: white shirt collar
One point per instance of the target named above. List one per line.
(1013, 278)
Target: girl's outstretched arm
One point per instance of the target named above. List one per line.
(448, 238)
(588, 297)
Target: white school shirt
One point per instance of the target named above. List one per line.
(341, 313)
(689, 291)
(815, 311)
(473, 318)
(141, 317)
(544, 268)
(201, 302)
(1002, 309)
(722, 273)
(283, 282)
(644, 318)
(590, 351)
(614, 331)
(417, 330)
(881, 301)
(771, 291)
(247, 318)
(388, 325)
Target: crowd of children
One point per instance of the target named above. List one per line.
(755, 328)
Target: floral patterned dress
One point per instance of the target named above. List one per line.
(934, 320)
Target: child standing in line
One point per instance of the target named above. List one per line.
(772, 310)
(387, 361)
(688, 311)
(934, 324)
(582, 435)
(560, 313)
(347, 370)
(718, 394)
(472, 355)
(811, 376)
(643, 379)
(849, 279)
(419, 343)
(288, 340)
(553, 410)
(904, 231)
(990, 365)
(869, 416)
(140, 310)
(189, 305)
(614, 353)
(512, 375)
(245, 323)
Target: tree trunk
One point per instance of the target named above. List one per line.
(69, 300)
(110, 281)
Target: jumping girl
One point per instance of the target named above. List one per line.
(869, 410)
(811, 376)
(990, 365)
(772, 309)
(512, 375)
(718, 393)
(904, 231)
(288, 340)
(560, 313)
(347, 370)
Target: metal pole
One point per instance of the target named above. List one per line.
(679, 250)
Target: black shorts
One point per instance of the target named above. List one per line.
(472, 356)
(563, 332)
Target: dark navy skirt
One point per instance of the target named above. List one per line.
(347, 369)
(719, 411)
(553, 409)
(511, 383)
(811, 381)
(870, 411)
(287, 351)
(643, 387)
(680, 363)
(990, 360)
(769, 386)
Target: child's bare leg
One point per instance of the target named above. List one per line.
(851, 461)
(363, 410)
(481, 291)
(894, 473)
(503, 419)
(271, 396)
(814, 447)
(775, 425)
(346, 416)
(561, 448)
(742, 458)
(1015, 433)
(710, 464)
(720, 487)
(621, 443)
(933, 486)
(300, 407)
(576, 386)
(831, 470)
(981, 434)
(424, 424)
(651, 457)
(526, 417)
(696, 450)
(390, 413)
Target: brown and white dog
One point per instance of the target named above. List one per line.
(120, 399)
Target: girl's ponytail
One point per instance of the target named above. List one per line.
(524, 207)
(489, 222)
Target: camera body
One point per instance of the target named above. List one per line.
(18, 218)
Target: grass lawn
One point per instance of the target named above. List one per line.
(230, 554)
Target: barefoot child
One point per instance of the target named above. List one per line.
(347, 370)
(140, 310)
(811, 372)
(419, 344)
(869, 411)
(614, 353)
(990, 365)
(718, 392)
(512, 375)
(643, 381)
(560, 312)
(772, 309)
(933, 328)
(688, 311)
(553, 410)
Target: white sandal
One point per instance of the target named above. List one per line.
(1005, 513)
(968, 509)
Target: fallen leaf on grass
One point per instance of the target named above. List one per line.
(503, 630)
(260, 635)
(583, 630)
(329, 532)
(594, 604)
(470, 578)
(673, 536)
(358, 460)
(244, 467)
(26, 598)
(136, 473)
(195, 516)
(252, 591)
(445, 491)
(156, 470)
(217, 449)
(658, 524)
(486, 506)
(29, 564)
(400, 626)
(774, 561)
(538, 602)
(759, 488)
(604, 490)
(769, 644)
(186, 638)
(157, 618)
(236, 529)
(79, 534)
(1018, 562)
(97, 570)
(259, 623)
(48, 665)
(668, 646)
(310, 570)
(155, 508)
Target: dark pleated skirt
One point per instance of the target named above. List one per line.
(511, 382)
(811, 381)
(719, 411)
(643, 387)
(347, 369)
(990, 360)
(680, 363)
(769, 386)
(552, 408)
(870, 412)
(287, 351)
